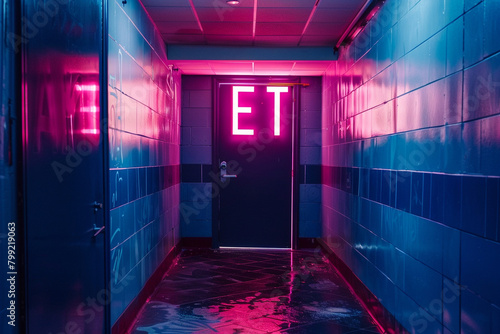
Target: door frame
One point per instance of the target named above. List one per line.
(294, 83)
(104, 119)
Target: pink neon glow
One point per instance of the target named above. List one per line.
(90, 131)
(277, 104)
(89, 109)
(89, 104)
(87, 88)
(240, 110)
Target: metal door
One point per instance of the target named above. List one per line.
(254, 158)
(63, 167)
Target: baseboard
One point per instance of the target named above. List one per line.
(195, 242)
(128, 317)
(307, 243)
(384, 318)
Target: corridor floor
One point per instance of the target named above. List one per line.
(258, 291)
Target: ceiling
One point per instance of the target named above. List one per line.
(252, 23)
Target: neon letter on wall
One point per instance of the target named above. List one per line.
(89, 103)
(237, 110)
(277, 111)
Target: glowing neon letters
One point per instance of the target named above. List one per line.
(277, 111)
(248, 110)
(89, 103)
(237, 110)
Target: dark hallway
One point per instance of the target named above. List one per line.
(253, 291)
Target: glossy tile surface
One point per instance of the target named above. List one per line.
(144, 152)
(411, 107)
(257, 291)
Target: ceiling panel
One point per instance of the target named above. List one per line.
(232, 67)
(332, 15)
(166, 3)
(227, 28)
(280, 21)
(324, 28)
(267, 23)
(352, 5)
(287, 3)
(278, 28)
(226, 14)
(221, 3)
(273, 14)
(286, 66)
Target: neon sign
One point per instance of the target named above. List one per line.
(240, 110)
(277, 111)
(248, 110)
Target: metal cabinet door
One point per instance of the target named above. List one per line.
(63, 167)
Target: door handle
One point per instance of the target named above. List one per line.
(97, 206)
(97, 230)
(223, 172)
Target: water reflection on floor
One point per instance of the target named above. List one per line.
(257, 291)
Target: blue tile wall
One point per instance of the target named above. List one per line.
(491, 27)
(144, 131)
(411, 109)
(474, 35)
(196, 157)
(310, 158)
(196, 209)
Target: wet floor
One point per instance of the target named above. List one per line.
(229, 291)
